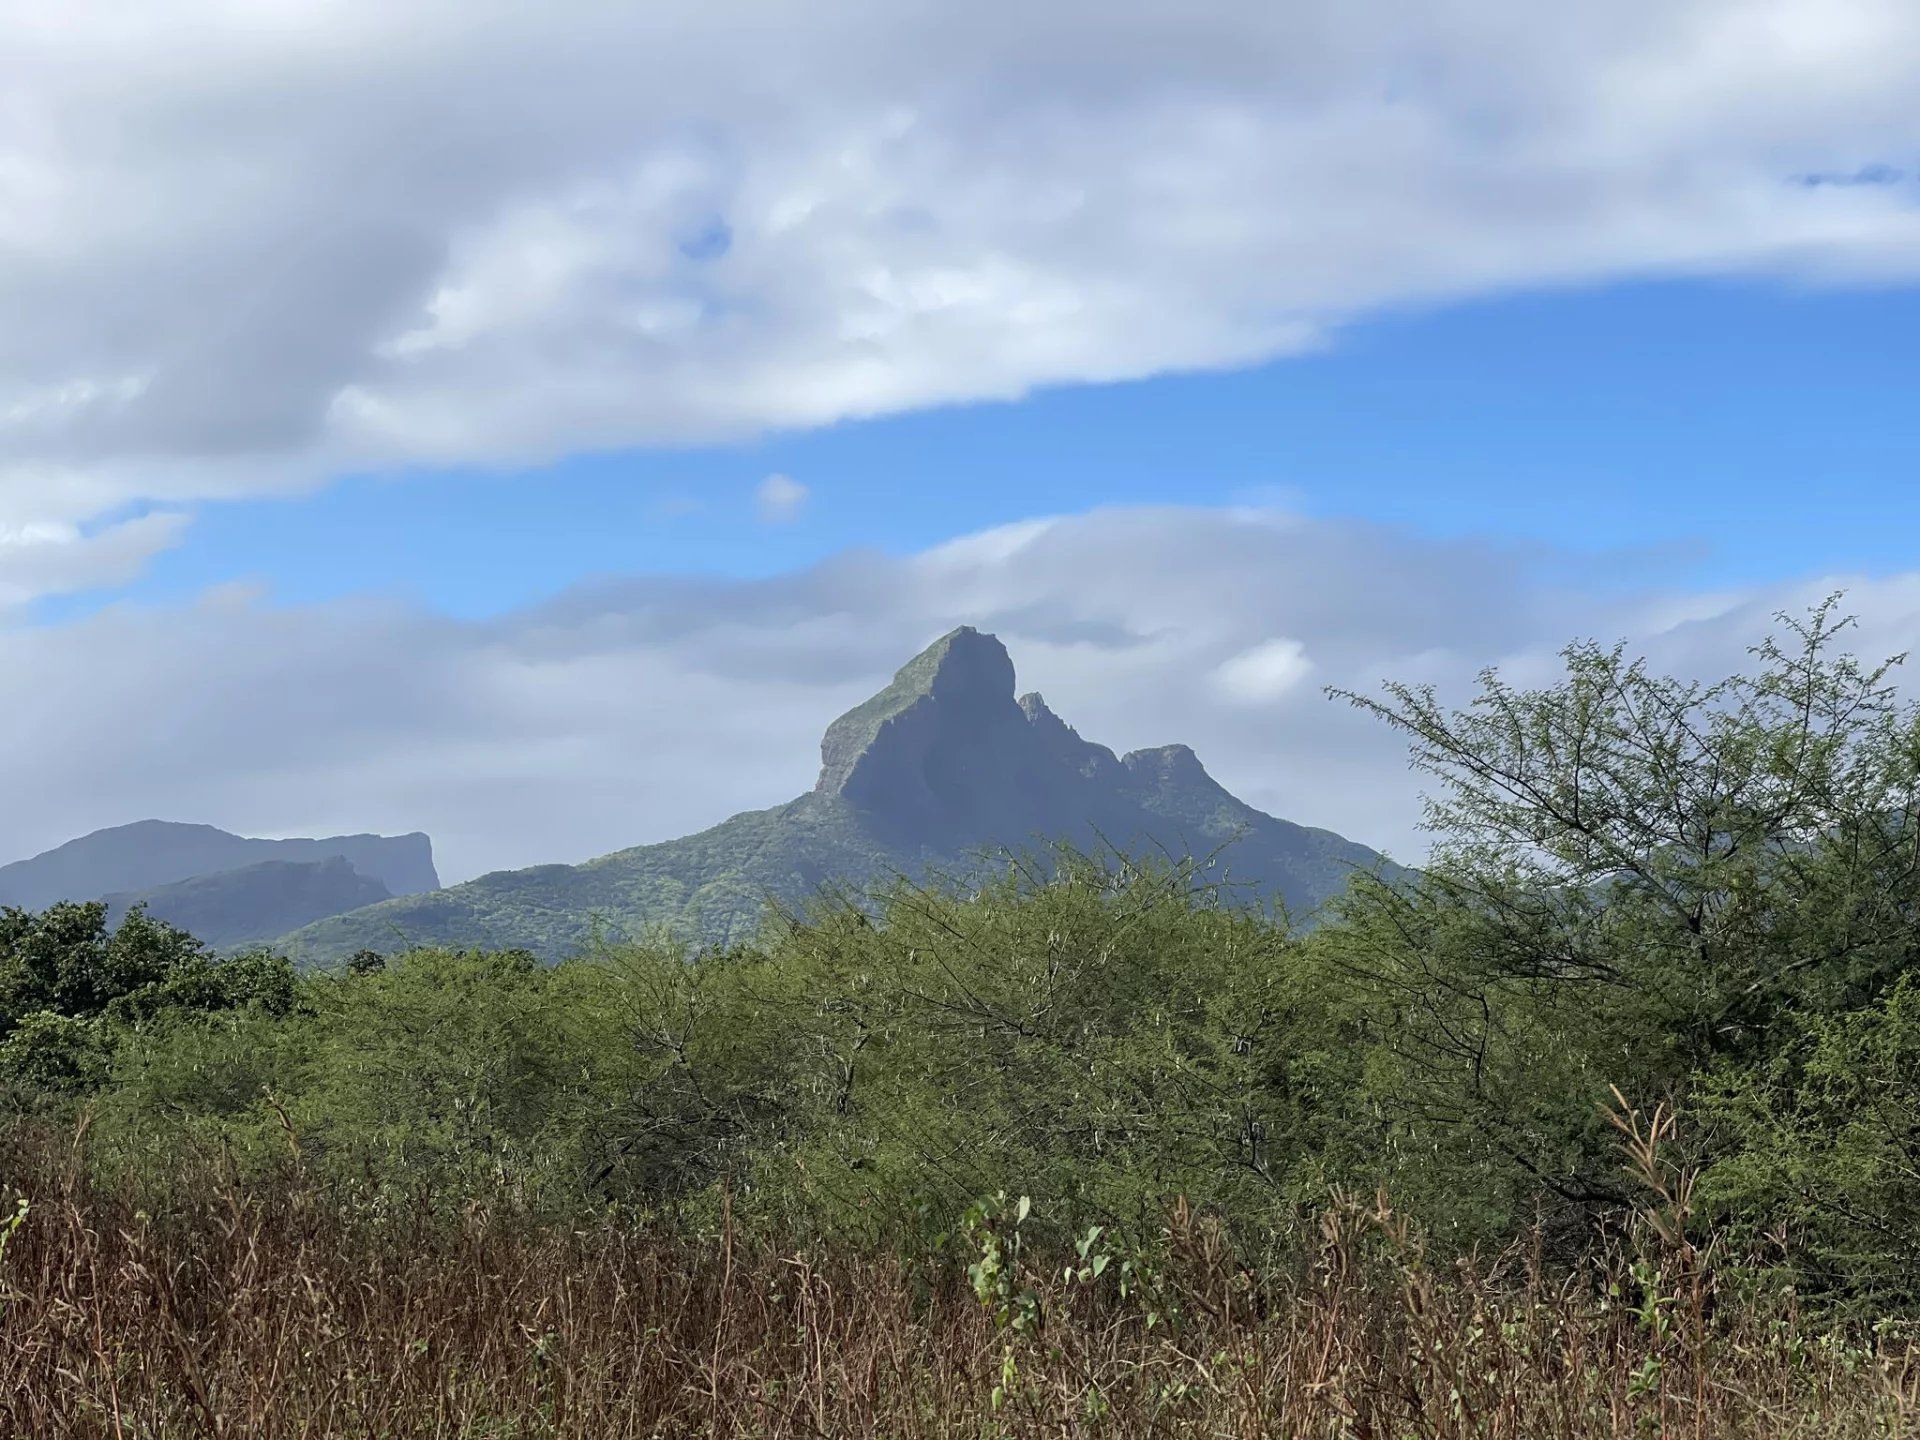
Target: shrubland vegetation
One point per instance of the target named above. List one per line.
(1607, 1123)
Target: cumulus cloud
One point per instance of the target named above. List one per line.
(779, 499)
(245, 247)
(637, 709)
(1265, 673)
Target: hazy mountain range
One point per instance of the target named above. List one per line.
(942, 765)
(227, 889)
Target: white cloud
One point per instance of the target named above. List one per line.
(48, 557)
(779, 499)
(1265, 673)
(639, 709)
(398, 232)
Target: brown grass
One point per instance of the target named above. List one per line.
(261, 1312)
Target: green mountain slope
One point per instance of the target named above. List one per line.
(713, 885)
(943, 764)
(254, 902)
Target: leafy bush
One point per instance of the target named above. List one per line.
(1637, 880)
(1704, 895)
(70, 988)
(1821, 1149)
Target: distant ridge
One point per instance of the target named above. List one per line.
(942, 763)
(255, 903)
(153, 853)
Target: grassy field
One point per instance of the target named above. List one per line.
(271, 1311)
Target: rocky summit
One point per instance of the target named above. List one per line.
(942, 765)
(946, 754)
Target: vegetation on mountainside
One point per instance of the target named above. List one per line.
(716, 887)
(713, 887)
(1702, 898)
(254, 904)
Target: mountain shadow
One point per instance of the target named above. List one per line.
(233, 908)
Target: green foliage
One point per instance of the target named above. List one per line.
(9, 1227)
(1637, 878)
(1104, 1037)
(992, 1227)
(1821, 1148)
(460, 1072)
(1107, 1037)
(54, 1054)
(1703, 895)
(444, 1077)
(72, 989)
(67, 961)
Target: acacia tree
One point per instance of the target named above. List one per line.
(1636, 877)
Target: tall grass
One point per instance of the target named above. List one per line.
(271, 1310)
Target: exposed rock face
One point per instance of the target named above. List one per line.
(1169, 766)
(947, 759)
(947, 756)
(921, 746)
(1063, 744)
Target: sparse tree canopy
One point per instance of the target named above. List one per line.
(1637, 878)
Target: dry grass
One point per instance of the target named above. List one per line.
(259, 1312)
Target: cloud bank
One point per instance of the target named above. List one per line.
(244, 247)
(644, 708)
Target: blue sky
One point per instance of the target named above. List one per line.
(1730, 432)
(388, 387)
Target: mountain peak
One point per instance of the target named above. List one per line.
(960, 682)
(939, 768)
(1061, 742)
(1034, 706)
(1168, 765)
